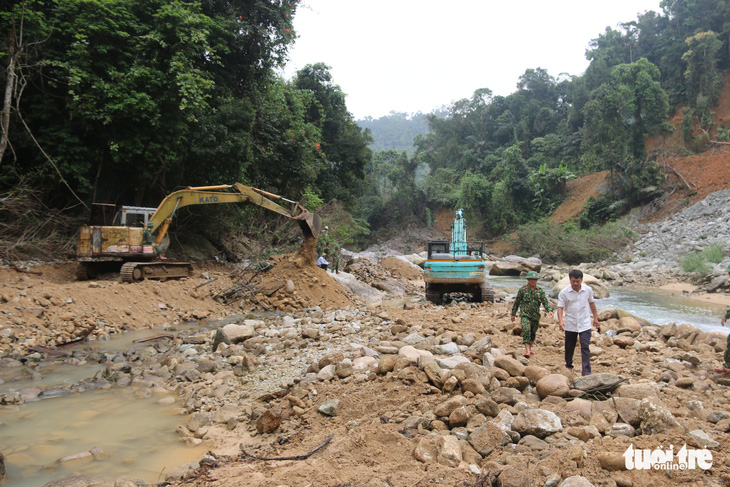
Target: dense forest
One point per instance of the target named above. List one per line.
(397, 130)
(122, 102)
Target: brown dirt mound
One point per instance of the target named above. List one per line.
(312, 286)
(400, 269)
(704, 173)
(580, 190)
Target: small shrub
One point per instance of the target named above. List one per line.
(571, 244)
(695, 263)
(714, 253)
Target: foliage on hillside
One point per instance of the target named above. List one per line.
(119, 102)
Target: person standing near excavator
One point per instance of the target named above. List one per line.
(336, 259)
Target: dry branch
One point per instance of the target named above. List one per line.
(296, 457)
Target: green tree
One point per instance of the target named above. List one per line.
(344, 145)
(622, 112)
(23, 29)
(703, 78)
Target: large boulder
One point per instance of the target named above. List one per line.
(504, 268)
(600, 289)
(528, 263)
(537, 422)
(513, 367)
(238, 333)
(553, 385)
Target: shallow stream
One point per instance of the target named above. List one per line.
(134, 432)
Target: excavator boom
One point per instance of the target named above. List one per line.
(212, 195)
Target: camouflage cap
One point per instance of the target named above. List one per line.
(151, 224)
(532, 275)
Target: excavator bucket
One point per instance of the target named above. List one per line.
(310, 224)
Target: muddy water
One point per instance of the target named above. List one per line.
(137, 437)
(135, 431)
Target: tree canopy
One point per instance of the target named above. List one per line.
(122, 102)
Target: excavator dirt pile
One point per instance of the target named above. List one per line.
(286, 283)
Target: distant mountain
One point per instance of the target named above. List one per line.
(396, 130)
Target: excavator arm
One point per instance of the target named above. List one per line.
(234, 193)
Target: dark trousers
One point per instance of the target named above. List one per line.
(323, 266)
(571, 337)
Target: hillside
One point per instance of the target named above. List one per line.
(692, 177)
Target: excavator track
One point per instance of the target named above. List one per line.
(161, 271)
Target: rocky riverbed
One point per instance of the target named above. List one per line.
(341, 387)
(416, 395)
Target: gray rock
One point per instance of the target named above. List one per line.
(449, 451)
(412, 339)
(331, 407)
(450, 348)
(509, 364)
(537, 422)
(701, 439)
(479, 348)
(576, 481)
(488, 437)
(593, 381)
(487, 406)
(621, 430)
(655, 417)
(505, 268)
(447, 407)
(327, 373)
(198, 420)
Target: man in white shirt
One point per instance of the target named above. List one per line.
(322, 262)
(575, 306)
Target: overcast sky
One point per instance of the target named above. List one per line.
(409, 56)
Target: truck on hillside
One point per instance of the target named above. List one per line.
(456, 266)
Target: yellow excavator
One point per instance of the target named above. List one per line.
(124, 240)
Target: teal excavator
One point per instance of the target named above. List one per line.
(456, 266)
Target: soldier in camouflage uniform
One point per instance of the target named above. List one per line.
(528, 301)
(336, 259)
(726, 366)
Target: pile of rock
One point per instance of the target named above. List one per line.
(695, 228)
